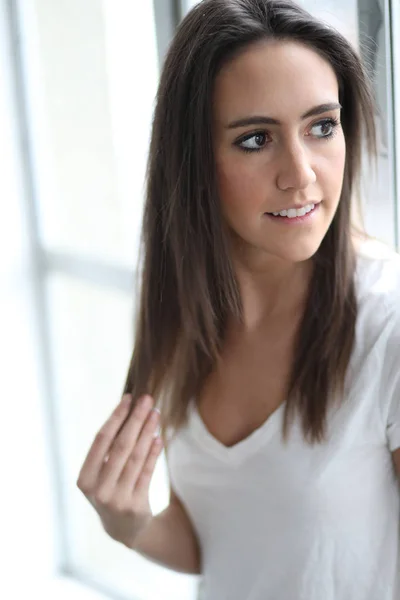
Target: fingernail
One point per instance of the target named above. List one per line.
(155, 414)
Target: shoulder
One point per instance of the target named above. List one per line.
(377, 353)
(377, 278)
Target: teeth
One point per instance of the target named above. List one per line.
(293, 212)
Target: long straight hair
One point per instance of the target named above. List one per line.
(188, 289)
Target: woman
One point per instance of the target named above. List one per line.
(269, 326)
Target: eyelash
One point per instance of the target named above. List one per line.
(331, 121)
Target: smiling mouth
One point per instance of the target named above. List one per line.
(292, 213)
(293, 216)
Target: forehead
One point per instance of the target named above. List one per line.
(282, 78)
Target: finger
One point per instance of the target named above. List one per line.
(101, 444)
(137, 458)
(124, 444)
(144, 480)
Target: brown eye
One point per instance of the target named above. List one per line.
(253, 143)
(327, 128)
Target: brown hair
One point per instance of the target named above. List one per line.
(188, 286)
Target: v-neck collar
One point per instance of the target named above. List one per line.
(241, 450)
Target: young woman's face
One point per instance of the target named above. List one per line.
(278, 145)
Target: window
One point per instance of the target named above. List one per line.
(89, 95)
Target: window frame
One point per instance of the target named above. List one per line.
(393, 8)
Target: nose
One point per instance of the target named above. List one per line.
(295, 170)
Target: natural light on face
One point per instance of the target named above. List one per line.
(296, 160)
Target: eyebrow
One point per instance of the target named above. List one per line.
(259, 120)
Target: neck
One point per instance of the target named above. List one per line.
(271, 288)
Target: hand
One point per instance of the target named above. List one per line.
(116, 474)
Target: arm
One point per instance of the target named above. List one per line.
(170, 541)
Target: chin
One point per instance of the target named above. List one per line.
(297, 253)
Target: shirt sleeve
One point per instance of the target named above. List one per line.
(391, 385)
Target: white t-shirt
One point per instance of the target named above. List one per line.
(299, 522)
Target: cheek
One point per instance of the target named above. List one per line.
(331, 174)
(240, 188)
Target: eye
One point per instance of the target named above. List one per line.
(327, 128)
(254, 142)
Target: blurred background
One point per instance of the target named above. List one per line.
(77, 85)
